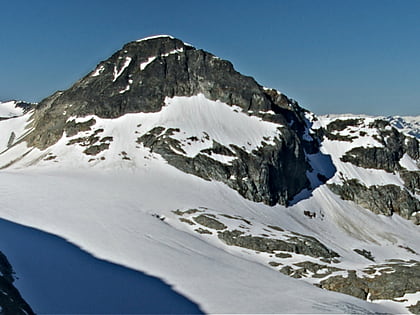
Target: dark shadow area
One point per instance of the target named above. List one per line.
(323, 169)
(56, 277)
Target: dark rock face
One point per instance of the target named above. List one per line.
(415, 309)
(11, 302)
(395, 145)
(339, 125)
(209, 222)
(387, 199)
(365, 253)
(26, 106)
(411, 180)
(142, 74)
(175, 69)
(271, 174)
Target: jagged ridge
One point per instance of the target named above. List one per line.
(143, 74)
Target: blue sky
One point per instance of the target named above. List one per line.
(332, 56)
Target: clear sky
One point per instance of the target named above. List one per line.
(332, 56)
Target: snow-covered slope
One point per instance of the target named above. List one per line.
(408, 124)
(116, 211)
(114, 215)
(244, 207)
(9, 109)
(196, 123)
(362, 134)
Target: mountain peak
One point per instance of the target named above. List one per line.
(155, 37)
(148, 76)
(160, 38)
(140, 76)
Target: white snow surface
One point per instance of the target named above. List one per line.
(11, 130)
(364, 137)
(114, 210)
(155, 36)
(118, 72)
(161, 36)
(408, 163)
(110, 214)
(98, 71)
(143, 65)
(195, 116)
(9, 109)
(408, 124)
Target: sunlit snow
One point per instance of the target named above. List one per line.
(117, 72)
(121, 210)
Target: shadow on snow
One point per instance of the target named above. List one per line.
(55, 276)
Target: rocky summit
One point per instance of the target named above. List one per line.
(143, 74)
(165, 150)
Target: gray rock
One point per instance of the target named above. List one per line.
(96, 149)
(188, 72)
(411, 180)
(386, 199)
(209, 222)
(283, 255)
(398, 281)
(11, 139)
(11, 302)
(317, 270)
(415, 308)
(338, 125)
(271, 174)
(352, 285)
(72, 128)
(302, 244)
(365, 253)
(274, 173)
(203, 231)
(184, 220)
(395, 145)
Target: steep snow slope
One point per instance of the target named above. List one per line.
(112, 215)
(121, 210)
(361, 135)
(56, 277)
(408, 124)
(9, 109)
(165, 159)
(196, 122)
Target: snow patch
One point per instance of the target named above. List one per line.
(98, 71)
(9, 109)
(143, 65)
(154, 37)
(408, 163)
(117, 72)
(125, 89)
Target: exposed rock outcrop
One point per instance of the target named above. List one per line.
(11, 302)
(393, 281)
(139, 78)
(395, 145)
(411, 180)
(301, 244)
(271, 174)
(386, 199)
